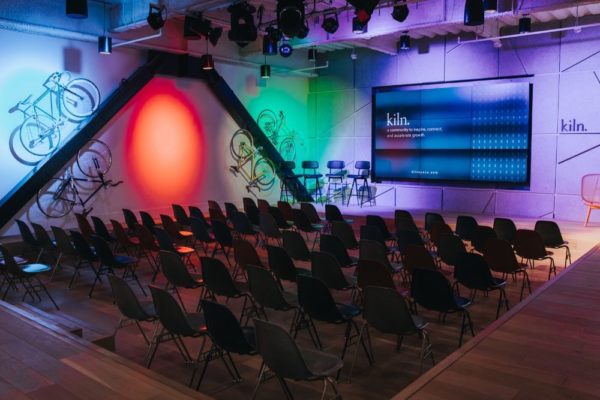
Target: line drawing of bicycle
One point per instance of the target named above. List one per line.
(282, 137)
(64, 99)
(258, 171)
(58, 197)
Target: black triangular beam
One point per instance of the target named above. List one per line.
(191, 67)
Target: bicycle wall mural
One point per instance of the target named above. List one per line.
(285, 139)
(256, 170)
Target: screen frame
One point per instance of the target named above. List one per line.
(454, 182)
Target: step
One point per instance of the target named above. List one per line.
(57, 320)
(92, 334)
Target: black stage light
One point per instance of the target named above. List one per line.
(243, 30)
(473, 13)
(157, 16)
(400, 11)
(404, 43)
(330, 21)
(214, 34)
(490, 6)
(285, 50)
(207, 62)
(274, 33)
(358, 27)
(525, 24)
(265, 71)
(363, 9)
(196, 27)
(290, 17)
(104, 44)
(77, 9)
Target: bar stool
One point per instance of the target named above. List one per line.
(363, 170)
(337, 178)
(312, 165)
(288, 180)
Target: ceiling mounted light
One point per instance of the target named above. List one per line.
(363, 9)
(359, 27)
(525, 24)
(243, 30)
(196, 27)
(404, 43)
(157, 15)
(474, 13)
(77, 9)
(104, 44)
(207, 62)
(290, 17)
(400, 11)
(265, 71)
(490, 6)
(285, 50)
(330, 21)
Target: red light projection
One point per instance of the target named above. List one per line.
(165, 144)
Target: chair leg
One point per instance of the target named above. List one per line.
(46, 291)
(587, 216)
(261, 372)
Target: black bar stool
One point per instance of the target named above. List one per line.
(363, 170)
(336, 178)
(288, 180)
(314, 166)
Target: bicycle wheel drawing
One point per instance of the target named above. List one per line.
(39, 135)
(264, 173)
(287, 149)
(95, 159)
(56, 199)
(79, 99)
(267, 121)
(241, 143)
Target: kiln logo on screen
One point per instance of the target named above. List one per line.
(395, 119)
(572, 125)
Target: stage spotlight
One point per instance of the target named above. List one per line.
(77, 9)
(400, 11)
(274, 33)
(525, 24)
(490, 6)
(473, 13)
(330, 21)
(157, 16)
(363, 9)
(243, 30)
(196, 27)
(290, 17)
(104, 44)
(404, 43)
(265, 71)
(359, 27)
(285, 50)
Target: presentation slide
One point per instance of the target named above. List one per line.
(470, 133)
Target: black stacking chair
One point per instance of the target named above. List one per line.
(29, 241)
(287, 360)
(282, 265)
(176, 324)
(175, 232)
(147, 221)
(505, 229)
(132, 310)
(303, 224)
(552, 238)
(379, 223)
(181, 216)
(178, 276)
(450, 247)
(325, 267)
(386, 311)
(431, 219)
(230, 208)
(102, 231)
(269, 228)
(295, 246)
(165, 242)
(403, 220)
(201, 234)
(123, 240)
(407, 238)
(26, 275)
(215, 212)
(243, 227)
(373, 250)
(64, 246)
(465, 227)
(334, 245)
(482, 235)
(336, 177)
(227, 336)
(416, 256)
(244, 254)
(360, 177)
(373, 273)
(372, 232)
(196, 212)
(47, 244)
(130, 219)
(472, 272)
(437, 231)
(287, 210)
(431, 290)
(149, 248)
(316, 301)
(344, 231)
(289, 180)
(86, 254)
(251, 210)
(309, 172)
(333, 213)
(312, 214)
(84, 225)
(223, 238)
(529, 245)
(282, 223)
(501, 258)
(263, 205)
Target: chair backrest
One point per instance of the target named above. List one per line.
(334, 245)
(263, 205)
(197, 213)
(169, 313)
(372, 232)
(224, 328)
(550, 233)
(174, 269)
(291, 165)
(268, 225)
(529, 244)
(500, 256)
(245, 253)
(200, 230)
(216, 214)
(472, 271)
(377, 221)
(316, 300)
(146, 238)
(103, 251)
(251, 210)
(373, 273)
(416, 256)
(481, 236)
(281, 263)
(180, 215)
(432, 218)
(438, 230)
(310, 164)
(169, 225)
(9, 262)
(130, 219)
(405, 223)
(147, 220)
(335, 166)
(42, 236)
(222, 233)
(373, 250)
(465, 227)
(26, 233)
(217, 278)
(505, 229)
(326, 267)
(311, 212)
(165, 241)
(286, 209)
(63, 242)
(279, 218)
(344, 231)
(431, 289)
(279, 351)
(264, 289)
(213, 205)
(84, 225)
(101, 229)
(386, 311)
(406, 238)
(82, 246)
(120, 234)
(230, 209)
(241, 223)
(590, 189)
(295, 246)
(302, 222)
(450, 246)
(363, 168)
(126, 300)
(333, 213)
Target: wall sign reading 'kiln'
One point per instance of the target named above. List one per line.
(572, 125)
